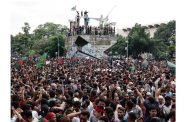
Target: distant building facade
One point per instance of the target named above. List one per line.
(151, 29)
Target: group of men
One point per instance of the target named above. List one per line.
(92, 90)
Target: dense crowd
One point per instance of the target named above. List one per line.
(92, 91)
(89, 30)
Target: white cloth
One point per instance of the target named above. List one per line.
(35, 116)
(14, 118)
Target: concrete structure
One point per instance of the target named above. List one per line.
(151, 29)
(97, 44)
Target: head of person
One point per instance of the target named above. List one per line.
(131, 117)
(44, 110)
(129, 105)
(76, 105)
(51, 117)
(116, 99)
(103, 119)
(65, 119)
(27, 115)
(112, 86)
(126, 97)
(155, 119)
(148, 95)
(28, 98)
(131, 95)
(109, 112)
(52, 94)
(153, 111)
(84, 116)
(99, 110)
(101, 102)
(167, 100)
(174, 97)
(121, 112)
(160, 99)
(58, 102)
(85, 103)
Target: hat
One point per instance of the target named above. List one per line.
(50, 115)
(148, 93)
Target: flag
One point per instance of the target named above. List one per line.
(144, 64)
(73, 8)
(20, 62)
(171, 66)
(132, 68)
(60, 62)
(39, 64)
(42, 60)
(18, 67)
(44, 56)
(74, 60)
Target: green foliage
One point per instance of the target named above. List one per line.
(119, 47)
(138, 40)
(44, 39)
(161, 46)
(166, 32)
(26, 28)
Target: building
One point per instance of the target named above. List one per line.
(151, 29)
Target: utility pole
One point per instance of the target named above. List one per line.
(127, 49)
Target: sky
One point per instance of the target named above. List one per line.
(125, 12)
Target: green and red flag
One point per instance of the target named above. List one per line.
(18, 67)
(74, 60)
(60, 61)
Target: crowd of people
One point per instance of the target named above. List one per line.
(89, 30)
(92, 91)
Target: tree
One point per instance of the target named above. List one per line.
(167, 34)
(46, 37)
(26, 28)
(43, 39)
(119, 47)
(139, 40)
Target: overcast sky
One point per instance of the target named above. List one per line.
(125, 13)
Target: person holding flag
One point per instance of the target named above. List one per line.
(41, 62)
